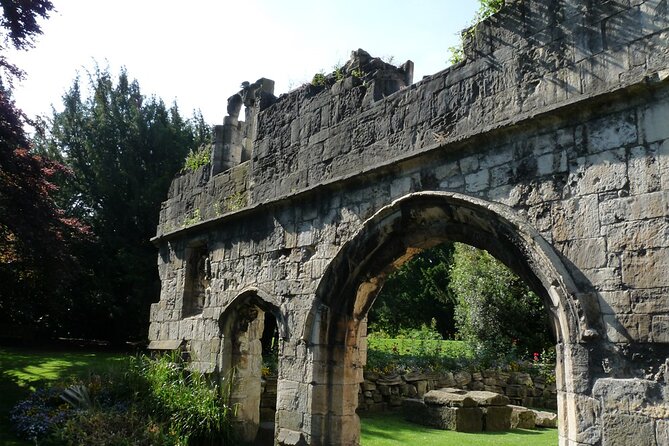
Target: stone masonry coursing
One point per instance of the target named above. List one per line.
(548, 146)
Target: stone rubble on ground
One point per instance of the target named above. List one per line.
(473, 411)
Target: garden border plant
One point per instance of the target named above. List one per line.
(424, 351)
(154, 401)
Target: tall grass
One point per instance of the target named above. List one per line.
(196, 409)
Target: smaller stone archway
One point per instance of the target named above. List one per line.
(242, 327)
(337, 325)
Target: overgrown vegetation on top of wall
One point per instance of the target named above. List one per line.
(486, 9)
(197, 158)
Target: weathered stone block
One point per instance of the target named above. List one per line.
(660, 329)
(516, 390)
(646, 268)
(611, 132)
(421, 387)
(484, 398)
(497, 418)
(586, 253)
(624, 430)
(462, 378)
(662, 432)
(627, 327)
(654, 122)
(625, 395)
(460, 419)
(640, 207)
(638, 235)
(576, 218)
(545, 419)
(444, 398)
(601, 172)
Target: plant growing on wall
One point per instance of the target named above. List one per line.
(236, 201)
(195, 218)
(486, 9)
(197, 158)
(318, 79)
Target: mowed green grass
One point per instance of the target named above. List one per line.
(393, 430)
(22, 370)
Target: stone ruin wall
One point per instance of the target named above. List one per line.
(380, 393)
(558, 117)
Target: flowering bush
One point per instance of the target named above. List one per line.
(38, 416)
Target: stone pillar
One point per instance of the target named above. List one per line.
(227, 150)
(262, 98)
(246, 390)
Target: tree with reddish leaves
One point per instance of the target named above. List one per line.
(36, 261)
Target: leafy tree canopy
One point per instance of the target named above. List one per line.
(415, 294)
(20, 20)
(491, 300)
(36, 235)
(470, 295)
(123, 148)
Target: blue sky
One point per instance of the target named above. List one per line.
(198, 52)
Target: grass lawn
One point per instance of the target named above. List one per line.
(392, 430)
(22, 370)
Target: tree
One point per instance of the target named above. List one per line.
(36, 235)
(20, 20)
(124, 149)
(417, 293)
(19, 25)
(491, 300)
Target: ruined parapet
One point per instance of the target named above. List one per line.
(233, 141)
(383, 78)
(380, 78)
(306, 129)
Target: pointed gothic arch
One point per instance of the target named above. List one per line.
(392, 236)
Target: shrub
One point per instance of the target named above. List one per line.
(400, 355)
(319, 79)
(197, 158)
(491, 300)
(112, 427)
(154, 401)
(193, 408)
(415, 350)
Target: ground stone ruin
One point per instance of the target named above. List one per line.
(473, 411)
(379, 393)
(548, 146)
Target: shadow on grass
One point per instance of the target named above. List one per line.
(23, 370)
